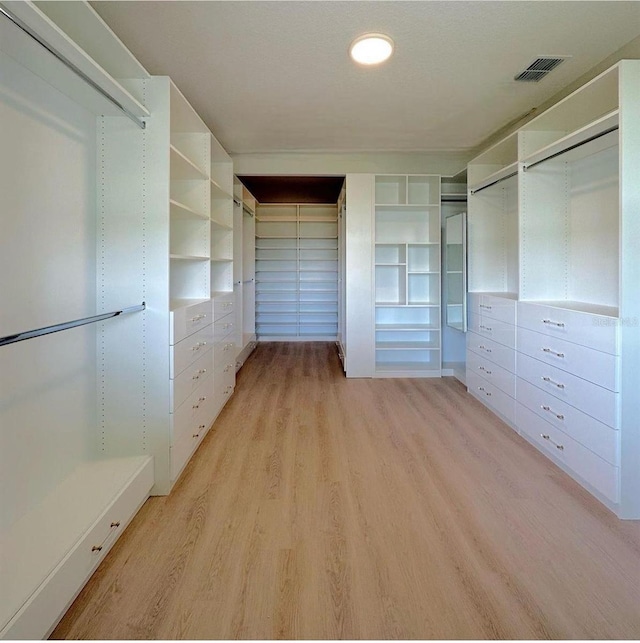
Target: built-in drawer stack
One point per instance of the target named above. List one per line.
(491, 363)
(192, 380)
(224, 348)
(567, 391)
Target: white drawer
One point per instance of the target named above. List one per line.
(595, 366)
(224, 390)
(193, 412)
(588, 467)
(186, 321)
(187, 381)
(598, 402)
(181, 453)
(189, 350)
(491, 396)
(494, 329)
(491, 372)
(52, 596)
(501, 355)
(499, 308)
(223, 327)
(594, 331)
(225, 369)
(494, 306)
(594, 435)
(224, 353)
(223, 305)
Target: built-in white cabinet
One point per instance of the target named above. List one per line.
(407, 275)
(553, 237)
(124, 206)
(192, 202)
(392, 286)
(77, 443)
(296, 268)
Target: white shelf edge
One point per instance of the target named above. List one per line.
(45, 28)
(221, 192)
(185, 211)
(594, 128)
(495, 176)
(193, 169)
(194, 258)
(220, 225)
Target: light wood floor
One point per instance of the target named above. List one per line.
(320, 507)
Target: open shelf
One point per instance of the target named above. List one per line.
(183, 168)
(181, 211)
(299, 241)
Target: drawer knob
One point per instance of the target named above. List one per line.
(195, 406)
(560, 447)
(115, 524)
(548, 350)
(549, 410)
(485, 307)
(196, 376)
(550, 381)
(553, 323)
(196, 435)
(481, 388)
(202, 399)
(487, 328)
(96, 548)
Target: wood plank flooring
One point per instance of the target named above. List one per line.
(320, 507)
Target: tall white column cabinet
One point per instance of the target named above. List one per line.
(393, 276)
(102, 214)
(553, 274)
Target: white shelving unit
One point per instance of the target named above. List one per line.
(73, 471)
(554, 308)
(297, 272)
(407, 276)
(183, 156)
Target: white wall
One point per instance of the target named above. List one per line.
(445, 163)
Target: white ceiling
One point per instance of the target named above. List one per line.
(275, 76)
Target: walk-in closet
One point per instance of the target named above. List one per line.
(297, 342)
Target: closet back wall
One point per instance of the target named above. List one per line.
(47, 276)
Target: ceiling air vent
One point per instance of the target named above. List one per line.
(539, 68)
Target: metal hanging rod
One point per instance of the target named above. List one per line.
(65, 61)
(488, 185)
(244, 207)
(47, 330)
(572, 147)
(454, 198)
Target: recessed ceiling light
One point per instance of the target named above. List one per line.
(371, 49)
